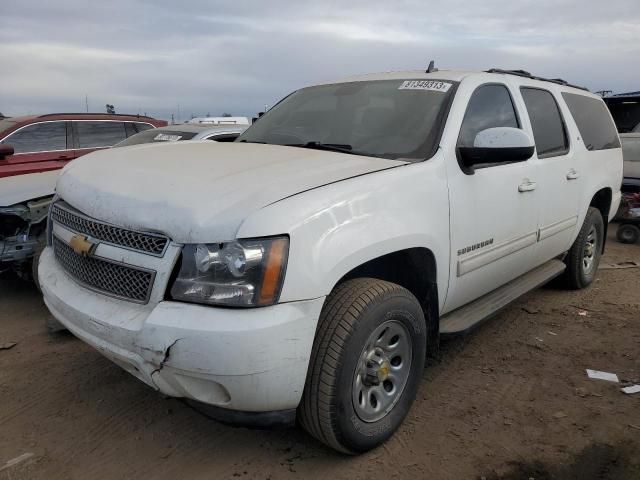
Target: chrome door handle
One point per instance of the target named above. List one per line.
(527, 186)
(572, 175)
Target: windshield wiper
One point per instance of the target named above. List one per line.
(331, 147)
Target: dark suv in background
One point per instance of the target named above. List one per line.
(40, 143)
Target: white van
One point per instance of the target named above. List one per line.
(310, 267)
(631, 154)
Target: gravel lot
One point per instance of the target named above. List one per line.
(510, 401)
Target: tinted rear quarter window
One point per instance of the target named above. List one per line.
(490, 106)
(39, 137)
(596, 128)
(547, 124)
(99, 134)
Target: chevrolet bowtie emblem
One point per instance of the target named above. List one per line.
(82, 245)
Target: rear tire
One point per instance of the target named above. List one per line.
(628, 233)
(583, 258)
(366, 364)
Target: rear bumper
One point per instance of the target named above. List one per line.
(250, 360)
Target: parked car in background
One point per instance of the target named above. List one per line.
(186, 131)
(221, 120)
(631, 154)
(310, 267)
(33, 149)
(625, 109)
(40, 143)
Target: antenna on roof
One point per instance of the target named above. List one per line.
(432, 67)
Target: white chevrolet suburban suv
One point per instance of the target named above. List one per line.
(310, 267)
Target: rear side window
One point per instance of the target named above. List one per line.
(631, 149)
(39, 137)
(594, 123)
(490, 106)
(548, 127)
(99, 134)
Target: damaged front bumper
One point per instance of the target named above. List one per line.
(22, 228)
(249, 360)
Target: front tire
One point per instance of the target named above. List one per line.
(366, 364)
(583, 258)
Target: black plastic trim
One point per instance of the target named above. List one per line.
(525, 74)
(238, 418)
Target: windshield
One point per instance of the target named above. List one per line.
(154, 135)
(385, 118)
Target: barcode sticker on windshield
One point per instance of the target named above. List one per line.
(433, 85)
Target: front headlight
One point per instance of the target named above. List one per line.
(245, 273)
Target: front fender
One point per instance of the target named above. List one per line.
(335, 228)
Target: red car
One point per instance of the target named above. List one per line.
(41, 143)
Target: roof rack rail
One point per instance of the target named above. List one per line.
(136, 115)
(525, 74)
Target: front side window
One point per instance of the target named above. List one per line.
(39, 137)
(547, 124)
(596, 128)
(490, 106)
(99, 134)
(381, 118)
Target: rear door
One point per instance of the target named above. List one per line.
(93, 135)
(557, 170)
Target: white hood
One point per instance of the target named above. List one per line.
(199, 191)
(21, 188)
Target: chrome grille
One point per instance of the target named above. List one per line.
(105, 276)
(141, 242)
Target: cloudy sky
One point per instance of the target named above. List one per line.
(196, 57)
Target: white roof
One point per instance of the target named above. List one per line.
(451, 75)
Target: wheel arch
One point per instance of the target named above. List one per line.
(602, 201)
(414, 269)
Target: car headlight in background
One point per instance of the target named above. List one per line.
(244, 273)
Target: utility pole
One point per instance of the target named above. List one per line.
(86, 102)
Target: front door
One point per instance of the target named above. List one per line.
(493, 210)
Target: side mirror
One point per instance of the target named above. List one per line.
(5, 150)
(497, 145)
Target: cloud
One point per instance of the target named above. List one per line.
(198, 57)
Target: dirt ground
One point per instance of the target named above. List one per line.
(509, 401)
